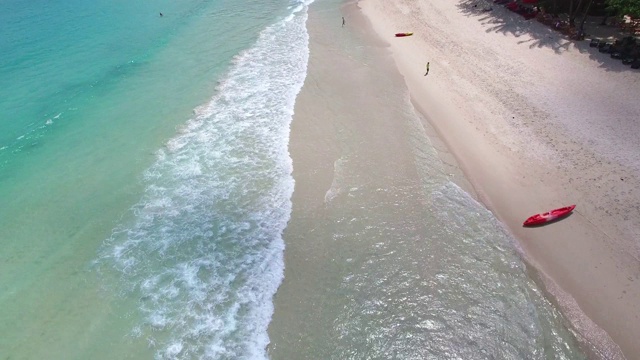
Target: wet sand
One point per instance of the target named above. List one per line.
(537, 122)
(337, 132)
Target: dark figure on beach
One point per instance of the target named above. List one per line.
(161, 15)
(427, 73)
(484, 9)
(343, 21)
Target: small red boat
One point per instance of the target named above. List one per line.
(539, 219)
(404, 34)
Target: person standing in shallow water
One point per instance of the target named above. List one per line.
(427, 73)
(343, 21)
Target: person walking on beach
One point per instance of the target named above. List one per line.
(343, 21)
(427, 73)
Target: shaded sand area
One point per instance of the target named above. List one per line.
(537, 122)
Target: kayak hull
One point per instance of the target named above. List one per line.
(549, 216)
(404, 34)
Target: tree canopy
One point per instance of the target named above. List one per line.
(625, 7)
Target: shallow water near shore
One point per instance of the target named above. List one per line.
(385, 256)
(144, 176)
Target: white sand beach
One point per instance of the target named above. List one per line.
(536, 122)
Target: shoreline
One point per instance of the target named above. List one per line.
(481, 79)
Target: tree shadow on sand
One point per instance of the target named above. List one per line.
(499, 19)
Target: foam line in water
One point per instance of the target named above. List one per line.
(203, 250)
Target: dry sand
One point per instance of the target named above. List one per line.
(537, 122)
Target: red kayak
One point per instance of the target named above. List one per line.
(404, 34)
(539, 219)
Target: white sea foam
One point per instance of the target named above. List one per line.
(203, 251)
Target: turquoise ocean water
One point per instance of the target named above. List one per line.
(145, 183)
(144, 175)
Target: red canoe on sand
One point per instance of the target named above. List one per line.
(404, 34)
(548, 216)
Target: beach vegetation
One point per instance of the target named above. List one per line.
(574, 9)
(604, 7)
(625, 7)
(577, 7)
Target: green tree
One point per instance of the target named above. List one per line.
(625, 7)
